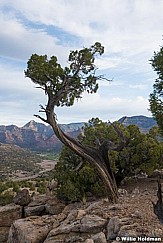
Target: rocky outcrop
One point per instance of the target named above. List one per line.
(54, 206)
(42, 205)
(36, 136)
(99, 238)
(75, 226)
(8, 214)
(31, 230)
(113, 228)
(76, 229)
(92, 222)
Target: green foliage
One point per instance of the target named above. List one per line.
(6, 192)
(41, 189)
(9, 189)
(6, 198)
(49, 155)
(73, 184)
(41, 186)
(142, 153)
(3, 187)
(16, 187)
(66, 84)
(156, 102)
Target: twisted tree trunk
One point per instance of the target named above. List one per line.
(98, 158)
(158, 207)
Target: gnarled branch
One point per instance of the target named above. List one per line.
(158, 207)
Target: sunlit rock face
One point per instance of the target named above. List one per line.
(36, 136)
(39, 137)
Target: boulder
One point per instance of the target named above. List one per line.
(89, 241)
(4, 234)
(99, 238)
(92, 223)
(128, 230)
(113, 228)
(31, 230)
(54, 206)
(75, 229)
(34, 211)
(9, 213)
(43, 204)
(22, 198)
(39, 200)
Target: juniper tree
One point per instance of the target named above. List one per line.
(63, 85)
(156, 101)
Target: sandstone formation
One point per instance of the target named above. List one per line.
(8, 214)
(92, 222)
(38, 136)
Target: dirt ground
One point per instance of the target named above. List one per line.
(138, 201)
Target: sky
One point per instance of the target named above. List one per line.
(129, 30)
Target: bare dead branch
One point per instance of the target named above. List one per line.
(40, 88)
(79, 165)
(118, 131)
(158, 207)
(41, 118)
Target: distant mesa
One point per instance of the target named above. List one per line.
(40, 137)
(144, 123)
(36, 136)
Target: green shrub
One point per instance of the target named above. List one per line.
(6, 198)
(76, 185)
(41, 189)
(142, 153)
(16, 187)
(3, 187)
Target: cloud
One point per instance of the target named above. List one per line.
(19, 99)
(123, 27)
(13, 85)
(138, 86)
(105, 62)
(119, 21)
(19, 41)
(111, 108)
(129, 30)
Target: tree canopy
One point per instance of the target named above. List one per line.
(66, 84)
(63, 86)
(156, 101)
